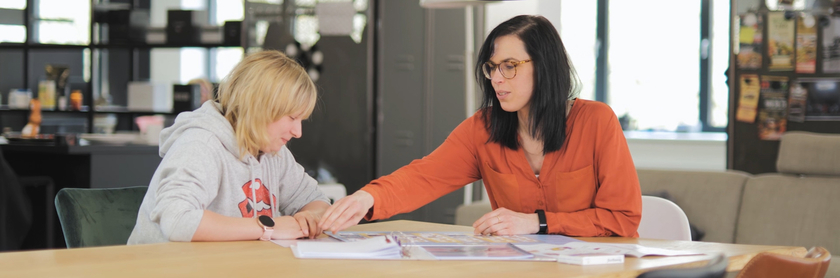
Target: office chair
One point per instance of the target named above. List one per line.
(770, 265)
(662, 219)
(716, 268)
(98, 217)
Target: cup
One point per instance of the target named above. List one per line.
(152, 133)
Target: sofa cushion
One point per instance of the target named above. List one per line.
(809, 153)
(466, 215)
(833, 267)
(789, 210)
(710, 199)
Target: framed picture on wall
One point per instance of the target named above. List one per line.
(823, 98)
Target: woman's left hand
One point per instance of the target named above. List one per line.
(308, 222)
(502, 222)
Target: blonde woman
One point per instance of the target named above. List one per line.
(226, 174)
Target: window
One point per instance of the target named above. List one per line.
(653, 62)
(652, 68)
(13, 4)
(211, 63)
(63, 22)
(56, 22)
(226, 58)
(720, 62)
(577, 30)
(13, 33)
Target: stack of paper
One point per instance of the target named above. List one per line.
(569, 253)
(478, 252)
(591, 259)
(380, 247)
(587, 253)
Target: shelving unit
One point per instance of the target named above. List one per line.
(133, 64)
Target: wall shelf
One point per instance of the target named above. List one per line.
(41, 46)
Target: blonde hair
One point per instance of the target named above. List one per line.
(264, 87)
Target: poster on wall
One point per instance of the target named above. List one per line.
(831, 47)
(749, 41)
(780, 41)
(772, 115)
(836, 8)
(806, 44)
(823, 98)
(797, 102)
(748, 99)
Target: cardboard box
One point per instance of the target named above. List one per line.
(185, 97)
(184, 26)
(233, 33)
(147, 96)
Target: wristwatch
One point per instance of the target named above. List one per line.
(543, 224)
(268, 226)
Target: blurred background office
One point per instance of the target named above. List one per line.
(394, 77)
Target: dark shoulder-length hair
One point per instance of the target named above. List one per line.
(555, 82)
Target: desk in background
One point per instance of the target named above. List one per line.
(259, 258)
(93, 166)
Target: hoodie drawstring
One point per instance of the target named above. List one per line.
(251, 166)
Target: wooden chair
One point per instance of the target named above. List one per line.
(716, 268)
(770, 265)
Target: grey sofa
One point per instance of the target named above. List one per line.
(798, 206)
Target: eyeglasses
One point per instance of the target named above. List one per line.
(507, 68)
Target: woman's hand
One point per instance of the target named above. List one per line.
(346, 212)
(308, 222)
(503, 222)
(286, 227)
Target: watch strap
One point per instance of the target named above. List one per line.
(543, 224)
(267, 231)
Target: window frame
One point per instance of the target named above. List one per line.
(602, 61)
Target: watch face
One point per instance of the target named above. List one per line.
(266, 221)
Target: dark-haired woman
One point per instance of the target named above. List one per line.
(550, 163)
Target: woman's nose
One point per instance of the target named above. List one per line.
(496, 76)
(297, 131)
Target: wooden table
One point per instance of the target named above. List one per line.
(266, 259)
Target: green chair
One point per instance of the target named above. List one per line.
(98, 217)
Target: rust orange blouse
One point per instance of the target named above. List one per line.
(588, 188)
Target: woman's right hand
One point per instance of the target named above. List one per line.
(286, 227)
(346, 212)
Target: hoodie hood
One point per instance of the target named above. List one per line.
(207, 117)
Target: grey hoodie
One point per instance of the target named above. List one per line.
(201, 170)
